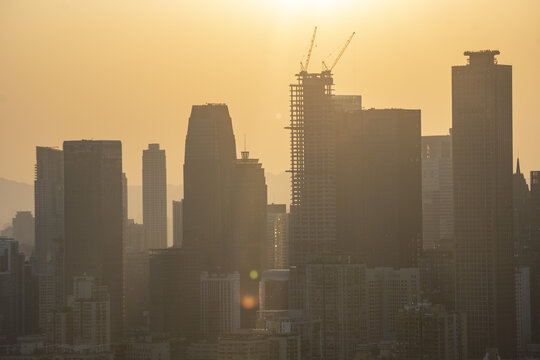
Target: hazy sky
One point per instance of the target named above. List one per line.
(130, 70)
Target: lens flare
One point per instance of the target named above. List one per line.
(249, 302)
(253, 274)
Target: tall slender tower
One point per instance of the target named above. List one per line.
(154, 189)
(247, 250)
(94, 219)
(482, 159)
(208, 170)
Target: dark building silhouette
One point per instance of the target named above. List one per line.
(208, 172)
(522, 215)
(437, 276)
(178, 216)
(175, 298)
(437, 191)
(24, 231)
(277, 236)
(248, 251)
(482, 162)
(534, 256)
(154, 187)
(379, 186)
(136, 273)
(11, 288)
(94, 219)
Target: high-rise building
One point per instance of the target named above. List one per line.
(277, 225)
(11, 288)
(437, 277)
(178, 216)
(335, 285)
(136, 284)
(388, 291)
(379, 176)
(313, 169)
(49, 205)
(274, 290)
(482, 166)
(437, 191)
(208, 171)
(425, 331)
(24, 231)
(247, 251)
(220, 304)
(521, 203)
(154, 197)
(90, 308)
(244, 346)
(523, 308)
(134, 237)
(175, 292)
(534, 254)
(93, 219)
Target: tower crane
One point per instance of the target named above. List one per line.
(329, 69)
(304, 68)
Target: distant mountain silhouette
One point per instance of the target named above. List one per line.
(14, 196)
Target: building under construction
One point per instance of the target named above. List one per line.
(313, 166)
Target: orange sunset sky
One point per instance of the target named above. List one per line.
(130, 70)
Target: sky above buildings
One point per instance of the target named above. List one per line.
(131, 69)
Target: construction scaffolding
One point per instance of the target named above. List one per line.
(313, 187)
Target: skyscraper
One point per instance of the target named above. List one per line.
(334, 293)
(521, 202)
(49, 204)
(277, 236)
(154, 197)
(247, 251)
(174, 289)
(208, 171)
(534, 254)
(379, 194)
(482, 162)
(24, 231)
(220, 304)
(94, 219)
(178, 217)
(437, 191)
(313, 167)
(11, 288)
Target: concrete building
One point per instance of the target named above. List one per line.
(178, 217)
(154, 185)
(246, 346)
(438, 278)
(437, 191)
(426, 331)
(91, 311)
(24, 231)
(379, 177)
(175, 292)
(335, 289)
(136, 288)
(49, 204)
(208, 171)
(483, 164)
(148, 348)
(387, 292)
(220, 304)
(94, 219)
(534, 262)
(134, 237)
(274, 290)
(248, 248)
(277, 224)
(11, 288)
(523, 309)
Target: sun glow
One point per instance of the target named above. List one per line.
(319, 5)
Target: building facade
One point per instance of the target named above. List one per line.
(154, 187)
(482, 166)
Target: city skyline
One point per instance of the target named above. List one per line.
(385, 43)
